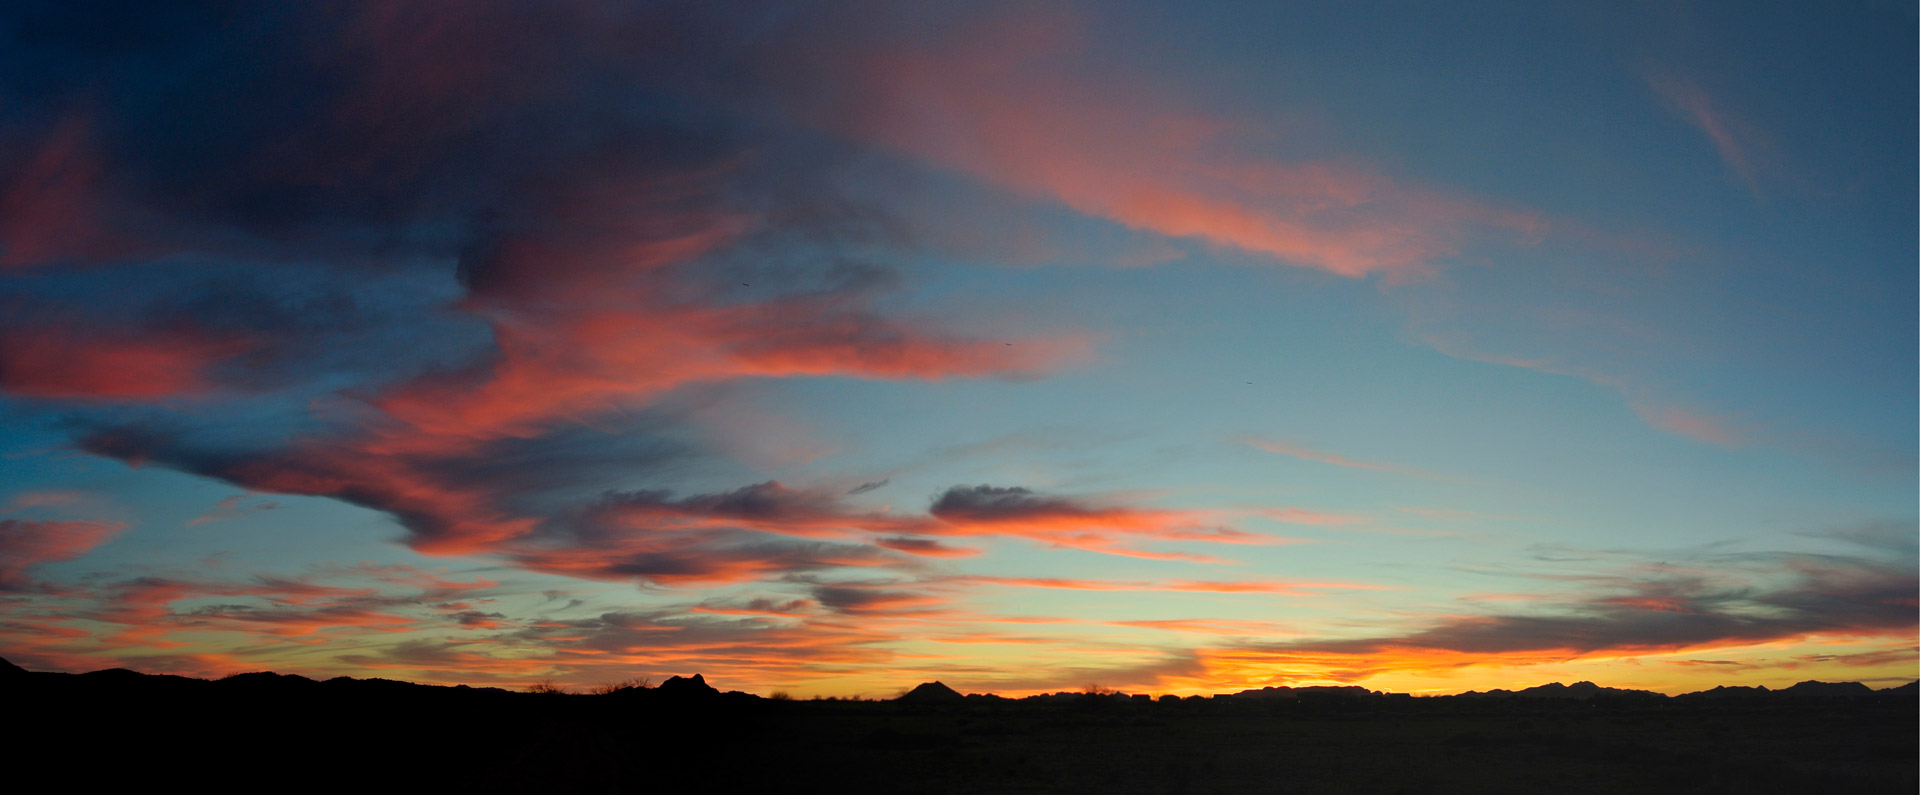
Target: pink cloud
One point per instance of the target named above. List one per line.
(26, 543)
(1308, 454)
(1700, 427)
(552, 369)
(995, 102)
(1641, 398)
(1736, 141)
(55, 207)
(65, 362)
(44, 499)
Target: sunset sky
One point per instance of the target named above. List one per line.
(831, 348)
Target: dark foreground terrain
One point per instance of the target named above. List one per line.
(264, 732)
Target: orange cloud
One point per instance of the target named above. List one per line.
(1060, 521)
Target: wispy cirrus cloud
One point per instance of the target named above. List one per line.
(1741, 146)
(1692, 424)
(1309, 454)
(1108, 147)
(1647, 402)
(233, 507)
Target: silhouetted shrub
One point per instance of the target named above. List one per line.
(546, 687)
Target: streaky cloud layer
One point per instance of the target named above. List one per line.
(523, 307)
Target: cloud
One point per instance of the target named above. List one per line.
(493, 271)
(26, 543)
(769, 506)
(63, 362)
(757, 606)
(1157, 670)
(617, 645)
(51, 205)
(107, 616)
(848, 599)
(925, 547)
(1281, 587)
(717, 537)
(1887, 536)
(233, 507)
(999, 98)
(468, 267)
(1067, 522)
(457, 268)
(735, 535)
(698, 558)
(1694, 425)
(44, 499)
(1741, 147)
(1308, 454)
(1751, 599)
(1647, 402)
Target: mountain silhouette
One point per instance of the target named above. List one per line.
(1730, 691)
(1812, 689)
(685, 736)
(931, 693)
(686, 688)
(1310, 691)
(696, 688)
(1580, 690)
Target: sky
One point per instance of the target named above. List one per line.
(829, 348)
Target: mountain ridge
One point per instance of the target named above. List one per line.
(694, 687)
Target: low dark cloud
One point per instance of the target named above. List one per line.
(924, 546)
(992, 503)
(862, 599)
(1775, 597)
